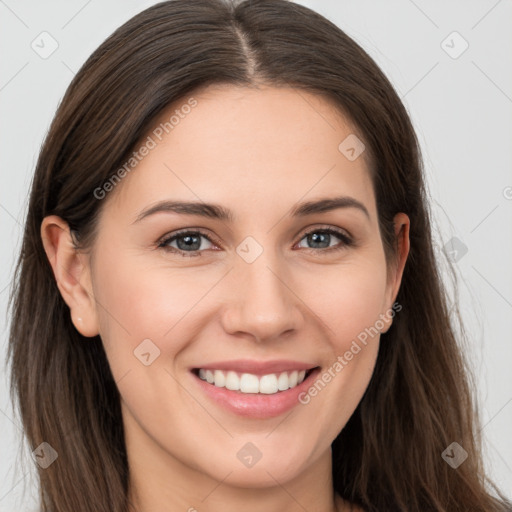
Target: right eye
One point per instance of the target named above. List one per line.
(188, 242)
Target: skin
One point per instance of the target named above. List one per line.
(257, 152)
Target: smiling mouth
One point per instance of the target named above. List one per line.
(248, 383)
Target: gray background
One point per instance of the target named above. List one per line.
(461, 107)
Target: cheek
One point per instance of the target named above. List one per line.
(349, 306)
(349, 301)
(139, 301)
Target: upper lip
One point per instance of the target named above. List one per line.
(257, 367)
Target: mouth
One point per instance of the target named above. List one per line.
(257, 395)
(250, 383)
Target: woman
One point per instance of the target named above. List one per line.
(227, 294)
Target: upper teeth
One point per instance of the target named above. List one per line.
(249, 383)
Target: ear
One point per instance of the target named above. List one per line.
(402, 225)
(72, 274)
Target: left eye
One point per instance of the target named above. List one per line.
(320, 236)
(189, 242)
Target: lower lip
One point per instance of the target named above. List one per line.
(256, 405)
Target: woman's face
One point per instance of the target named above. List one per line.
(263, 291)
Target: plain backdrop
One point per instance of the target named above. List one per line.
(451, 64)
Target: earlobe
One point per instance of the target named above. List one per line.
(72, 274)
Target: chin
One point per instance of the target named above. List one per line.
(258, 464)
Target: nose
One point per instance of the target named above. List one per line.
(262, 304)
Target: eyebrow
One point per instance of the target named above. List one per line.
(215, 211)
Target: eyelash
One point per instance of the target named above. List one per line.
(162, 243)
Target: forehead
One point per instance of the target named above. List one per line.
(246, 147)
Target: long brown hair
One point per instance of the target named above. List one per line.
(421, 396)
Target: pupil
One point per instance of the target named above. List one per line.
(316, 236)
(189, 242)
